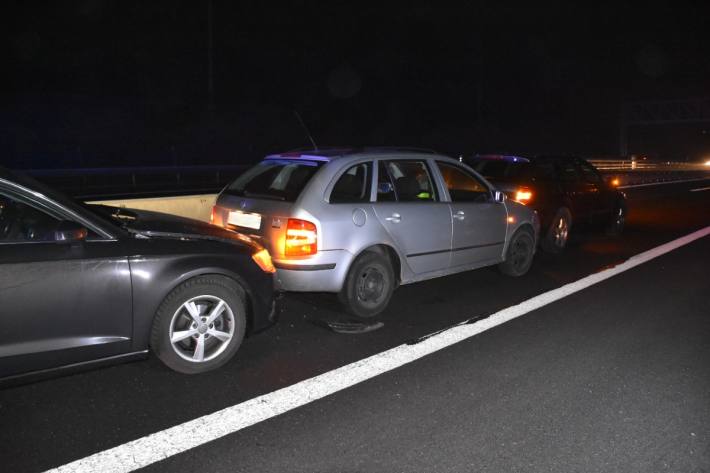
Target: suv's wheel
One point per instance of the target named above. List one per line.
(200, 324)
(519, 256)
(557, 233)
(368, 286)
(618, 220)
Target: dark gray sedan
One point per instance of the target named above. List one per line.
(83, 284)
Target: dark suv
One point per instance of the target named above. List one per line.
(563, 189)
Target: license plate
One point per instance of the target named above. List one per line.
(244, 219)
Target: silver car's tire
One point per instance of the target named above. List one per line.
(519, 256)
(369, 285)
(557, 234)
(200, 324)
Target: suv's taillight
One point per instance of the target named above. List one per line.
(301, 238)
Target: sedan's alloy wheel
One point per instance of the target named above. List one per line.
(618, 221)
(202, 328)
(561, 232)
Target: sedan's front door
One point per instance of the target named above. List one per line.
(410, 209)
(599, 197)
(479, 223)
(578, 192)
(60, 302)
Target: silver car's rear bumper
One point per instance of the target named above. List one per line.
(324, 272)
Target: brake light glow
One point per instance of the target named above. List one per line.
(263, 259)
(523, 195)
(301, 238)
(214, 209)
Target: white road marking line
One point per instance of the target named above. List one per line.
(678, 181)
(180, 438)
(699, 189)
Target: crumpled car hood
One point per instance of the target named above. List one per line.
(159, 225)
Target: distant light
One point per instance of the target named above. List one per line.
(511, 219)
(615, 182)
(707, 163)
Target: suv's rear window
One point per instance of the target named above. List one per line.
(275, 179)
(501, 170)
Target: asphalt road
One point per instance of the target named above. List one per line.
(613, 378)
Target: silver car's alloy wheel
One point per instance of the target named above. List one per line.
(561, 231)
(201, 329)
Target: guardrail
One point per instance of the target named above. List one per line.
(106, 183)
(634, 165)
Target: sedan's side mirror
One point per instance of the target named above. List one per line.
(499, 196)
(69, 232)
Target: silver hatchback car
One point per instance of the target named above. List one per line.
(361, 222)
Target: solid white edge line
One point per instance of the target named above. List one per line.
(678, 181)
(180, 438)
(699, 189)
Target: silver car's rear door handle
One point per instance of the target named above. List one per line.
(460, 215)
(395, 218)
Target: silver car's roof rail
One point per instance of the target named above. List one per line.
(335, 152)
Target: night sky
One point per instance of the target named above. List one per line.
(97, 83)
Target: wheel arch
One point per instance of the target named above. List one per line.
(390, 253)
(524, 227)
(149, 293)
(220, 273)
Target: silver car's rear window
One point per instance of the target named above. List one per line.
(275, 179)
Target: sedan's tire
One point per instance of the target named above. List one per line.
(200, 324)
(617, 220)
(369, 285)
(557, 234)
(519, 256)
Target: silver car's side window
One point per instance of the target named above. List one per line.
(385, 185)
(462, 186)
(406, 181)
(353, 186)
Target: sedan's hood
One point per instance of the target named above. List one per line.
(146, 223)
